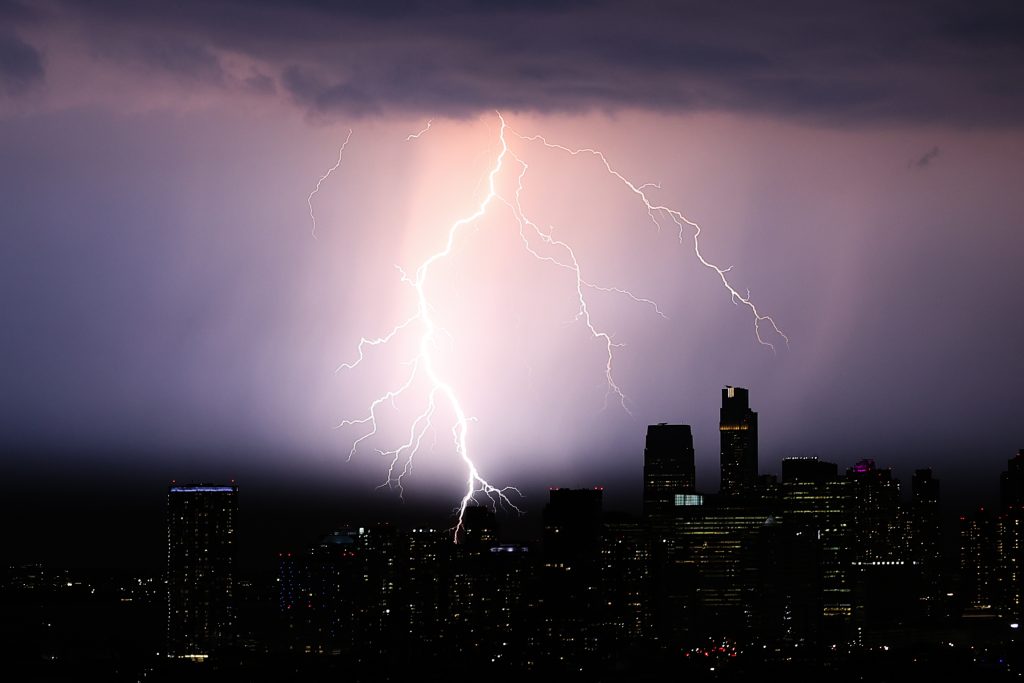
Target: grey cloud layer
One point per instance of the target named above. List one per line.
(854, 63)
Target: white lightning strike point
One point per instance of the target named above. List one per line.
(533, 238)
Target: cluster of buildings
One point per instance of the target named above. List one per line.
(819, 557)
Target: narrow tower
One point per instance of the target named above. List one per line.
(738, 430)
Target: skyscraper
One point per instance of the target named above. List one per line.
(877, 534)
(925, 522)
(200, 569)
(738, 430)
(570, 575)
(668, 469)
(817, 508)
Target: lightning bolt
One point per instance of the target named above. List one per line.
(416, 136)
(332, 169)
(541, 244)
(654, 210)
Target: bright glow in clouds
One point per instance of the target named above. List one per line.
(542, 245)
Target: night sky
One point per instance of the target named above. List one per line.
(168, 313)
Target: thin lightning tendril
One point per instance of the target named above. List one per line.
(680, 221)
(540, 244)
(416, 136)
(332, 169)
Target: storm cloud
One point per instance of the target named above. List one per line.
(21, 65)
(855, 63)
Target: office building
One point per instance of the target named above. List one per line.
(738, 431)
(817, 507)
(1011, 483)
(201, 544)
(668, 469)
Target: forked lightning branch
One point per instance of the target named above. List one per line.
(542, 245)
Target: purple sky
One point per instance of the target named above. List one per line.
(166, 309)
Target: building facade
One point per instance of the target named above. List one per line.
(201, 544)
(738, 430)
(668, 469)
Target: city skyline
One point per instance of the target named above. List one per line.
(169, 312)
(275, 516)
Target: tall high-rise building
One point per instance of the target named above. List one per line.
(738, 430)
(200, 569)
(668, 469)
(1010, 536)
(877, 534)
(817, 507)
(925, 521)
(571, 597)
(979, 562)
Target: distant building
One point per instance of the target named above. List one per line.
(924, 538)
(1011, 482)
(1010, 534)
(572, 527)
(200, 569)
(320, 593)
(627, 555)
(878, 534)
(818, 510)
(738, 430)
(979, 563)
(668, 469)
(569, 625)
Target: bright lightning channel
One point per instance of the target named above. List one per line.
(532, 235)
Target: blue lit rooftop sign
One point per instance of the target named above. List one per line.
(202, 489)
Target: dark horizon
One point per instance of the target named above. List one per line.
(116, 519)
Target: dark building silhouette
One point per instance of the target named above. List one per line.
(1011, 482)
(924, 538)
(473, 586)
(572, 526)
(878, 533)
(1010, 537)
(321, 595)
(883, 580)
(716, 565)
(979, 562)
(738, 431)
(200, 569)
(668, 469)
(818, 512)
(627, 556)
(570, 598)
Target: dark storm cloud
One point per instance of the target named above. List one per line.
(182, 58)
(261, 83)
(21, 65)
(863, 62)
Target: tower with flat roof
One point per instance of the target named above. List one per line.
(201, 535)
(738, 430)
(668, 469)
